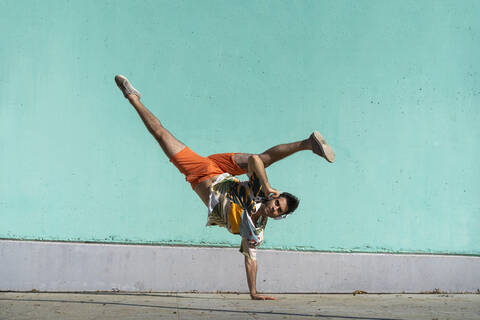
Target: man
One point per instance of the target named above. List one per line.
(241, 207)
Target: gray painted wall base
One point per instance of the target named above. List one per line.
(51, 266)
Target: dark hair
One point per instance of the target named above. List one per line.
(292, 202)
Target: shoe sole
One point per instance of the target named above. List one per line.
(325, 150)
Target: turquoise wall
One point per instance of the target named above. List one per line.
(393, 85)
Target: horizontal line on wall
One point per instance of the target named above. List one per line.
(216, 245)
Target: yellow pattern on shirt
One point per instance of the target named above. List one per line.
(235, 217)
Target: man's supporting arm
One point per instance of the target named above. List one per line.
(251, 269)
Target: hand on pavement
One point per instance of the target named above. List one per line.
(260, 297)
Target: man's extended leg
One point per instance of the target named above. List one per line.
(170, 145)
(167, 141)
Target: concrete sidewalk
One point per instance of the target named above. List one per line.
(85, 306)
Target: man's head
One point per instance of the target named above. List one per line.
(280, 206)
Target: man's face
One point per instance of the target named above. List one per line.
(275, 207)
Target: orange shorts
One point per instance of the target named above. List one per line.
(197, 168)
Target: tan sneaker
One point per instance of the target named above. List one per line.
(320, 147)
(125, 86)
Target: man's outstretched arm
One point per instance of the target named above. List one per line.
(251, 269)
(256, 165)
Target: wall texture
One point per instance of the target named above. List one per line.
(51, 266)
(394, 87)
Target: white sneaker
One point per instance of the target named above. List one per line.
(125, 86)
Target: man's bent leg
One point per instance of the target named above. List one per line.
(167, 141)
(274, 154)
(281, 151)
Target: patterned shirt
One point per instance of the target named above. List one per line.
(232, 202)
